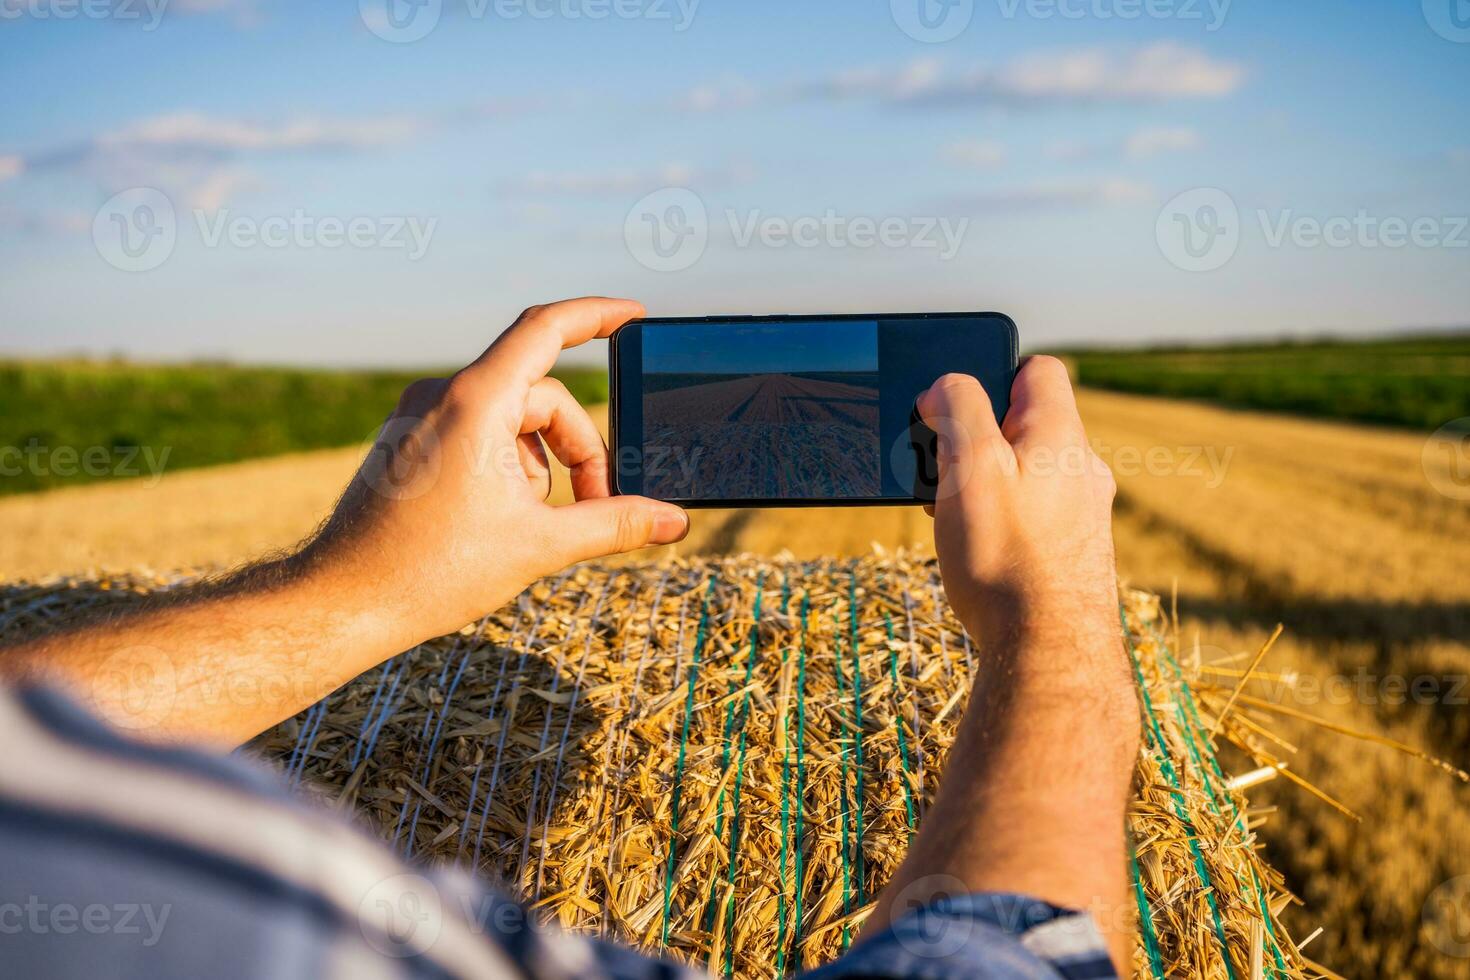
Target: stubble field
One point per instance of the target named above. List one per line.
(1352, 537)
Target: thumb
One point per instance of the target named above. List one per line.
(613, 525)
(970, 442)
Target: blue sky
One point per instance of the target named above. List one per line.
(502, 159)
(840, 345)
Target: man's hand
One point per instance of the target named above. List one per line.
(1035, 786)
(445, 522)
(448, 519)
(1023, 520)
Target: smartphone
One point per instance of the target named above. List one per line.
(791, 411)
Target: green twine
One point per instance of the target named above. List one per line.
(785, 799)
(740, 778)
(1193, 726)
(1177, 794)
(903, 748)
(857, 733)
(710, 905)
(800, 857)
(1146, 918)
(679, 765)
(846, 814)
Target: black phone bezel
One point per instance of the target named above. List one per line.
(627, 344)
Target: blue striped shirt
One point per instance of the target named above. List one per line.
(125, 859)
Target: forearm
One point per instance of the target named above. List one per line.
(1036, 785)
(445, 521)
(221, 662)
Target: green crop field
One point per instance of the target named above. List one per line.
(68, 422)
(1420, 382)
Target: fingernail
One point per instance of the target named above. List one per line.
(670, 524)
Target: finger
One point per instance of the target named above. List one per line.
(958, 409)
(529, 348)
(1043, 408)
(533, 463)
(570, 434)
(614, 525)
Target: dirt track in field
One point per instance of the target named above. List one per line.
(1336, 530)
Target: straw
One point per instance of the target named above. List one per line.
(670, 755)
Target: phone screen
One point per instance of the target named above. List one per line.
(789, 409)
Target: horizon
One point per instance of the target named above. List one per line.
(592, 361)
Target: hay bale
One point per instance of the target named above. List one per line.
(666, 754)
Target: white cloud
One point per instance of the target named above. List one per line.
(910, 81)
(220, 188)
(1154, 140)
(980, 154)
(1147, 142)
(1055, 194)
(196, 156)
(853, 83)
(190, 138)
(1157, 72)
(1163, 70)
(199, 159)
(186, 131)
(612, 183)
(735, 93)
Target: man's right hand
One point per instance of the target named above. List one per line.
(1023, 518)
(1035, 789)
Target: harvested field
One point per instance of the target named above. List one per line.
(850, 398)
(204, 518)
(725, 759)
(1335, 530)
(762, 436)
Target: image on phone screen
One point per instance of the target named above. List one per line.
(763, 411)
(789, 409)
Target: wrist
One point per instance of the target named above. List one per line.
(1024, 616)
(1060, 644)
